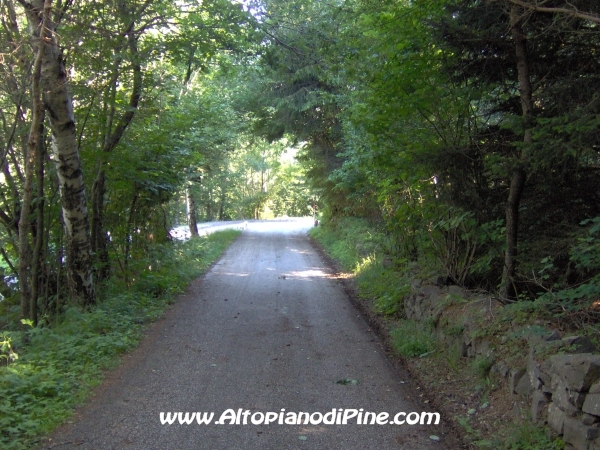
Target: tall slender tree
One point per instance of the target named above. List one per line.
(59, 105)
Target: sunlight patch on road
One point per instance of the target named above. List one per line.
(301, 252)
(311, 273)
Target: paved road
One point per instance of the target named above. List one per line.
(268, 328)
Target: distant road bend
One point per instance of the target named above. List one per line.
(266, 329)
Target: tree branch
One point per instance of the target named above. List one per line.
(134, 99)
(571, 11)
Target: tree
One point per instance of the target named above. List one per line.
(59, 105)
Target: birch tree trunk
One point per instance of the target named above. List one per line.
(59, 105)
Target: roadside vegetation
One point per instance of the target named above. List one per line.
(46, 371)
(464, 386)
(451, 141)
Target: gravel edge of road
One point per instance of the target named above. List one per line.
(454, 434)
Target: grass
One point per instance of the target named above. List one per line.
(360, 250)
(527, 436)
(60, 365)
(411, 338)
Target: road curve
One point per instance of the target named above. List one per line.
(267, 328)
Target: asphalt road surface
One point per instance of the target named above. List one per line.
(267, 329)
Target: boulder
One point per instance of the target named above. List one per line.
(423, 303)
(524, 386)
(545, 374)
(567, 399)
(579, 344)
(484, 349)
(588, 419)
(501, 369)
(539, 404)
(533, 372)
(578, 434)
(457, 290)
(556, 418)
(513, 379)
(591, 405)
(578, 372)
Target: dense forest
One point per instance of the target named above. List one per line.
(119, 121)
(467, 132)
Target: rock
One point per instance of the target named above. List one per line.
(579, 435)
(539, 403)
(567, 399)
(533, 372)
(595, 389)
(466, 349)
(423, 303)
(578, 372)
(555, 383)
(501, 369)
(456, 290)
(416, 283)
(517, 412)
(551, 336)
(556, 418)
(483, 348)
(546, 374)
(542, 345)
(581, 344)
(591, 405)
(524, 386)
(588, 419)
(514, 378)
(540, 369)
(430, 291)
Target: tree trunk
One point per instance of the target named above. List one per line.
(39, 33)
(111, 138)
(192, 213)
(59, 105)
(222, 204)
(99, 236)
(37, 259)
(517, 183)
(208, 206)
(130, 231)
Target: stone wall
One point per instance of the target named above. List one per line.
(561, 376)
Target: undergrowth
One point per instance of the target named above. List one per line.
(41, 381)
(360, 250)
(412, 338)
